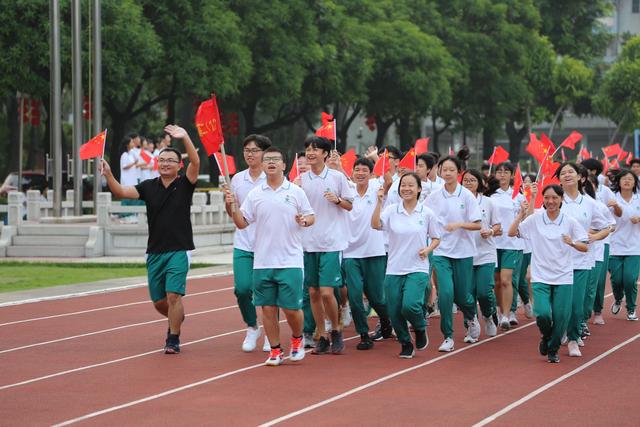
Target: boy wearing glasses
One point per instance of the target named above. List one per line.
(241, 184)
(168, 201)
(278, 208)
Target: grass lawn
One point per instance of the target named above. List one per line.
(19, 276)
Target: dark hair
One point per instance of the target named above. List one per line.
(453, 159)
(435, 155)
(477, 175)
(132, 135)
(558, 190)
(615, 182)
(634, 161)
(463, 154)
(485, 167)
(531, 176)
(391, 150)
(593, 164)
(594, 181)
(492, 186)
(428, 159)
(575, 168)
(319, 142)
(172, 150)
(274, 149)
(418, 182)
(301, 154)
(363, 161)
(587, 187)
(124, 145)
(506, 165)
(261, 141)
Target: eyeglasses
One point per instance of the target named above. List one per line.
(251, 150)
(271, 159)
(469, 181)
(168, 161)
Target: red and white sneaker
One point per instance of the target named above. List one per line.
(296, 353)
(275, 357)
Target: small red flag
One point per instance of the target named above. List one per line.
(209, 125)
(584, 154)
(421, 146)
(409, 161)
(94, 147)
(615, 164)
(612, 150)
(231, 163)
(146, 157)
(499, 155)
(293, 173)
(326, 118)
(564, 158)
(540, 148)
(451, 152)
(546, 180)
(622, 155)
(549, 167)
(570, 141)
(382, 164)
(348, 159)
(517, 182)
(155, 163)
(628, 162)
(327, 131)
(527, 193)
(605, 166)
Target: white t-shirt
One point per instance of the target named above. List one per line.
(485, 248)
(408, 234)
(364, 241)
(551, 258)
(241, 185)
(459, 206)
(136, 155)
(429, 187)
(155, 173)
(328, 233)
(278, 237)
(585, 211)
(626, 239)
(128, 176)
(147, 173)
(507, 210)
(597, 248)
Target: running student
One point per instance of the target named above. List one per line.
(168, 201)
(484, 261)
(241, 184)
(458, 212)
(510, 249)
(554, 237)
(624, 261)
(409, 224)
(330, 196)
(364, 261)
(278, 208)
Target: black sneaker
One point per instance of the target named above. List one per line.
(384, 330)
(543, 347)
(172, 345)
(422, 341)
(337, 344)
(322, 346)
(407, 351)
(553, 358)
(366, 343)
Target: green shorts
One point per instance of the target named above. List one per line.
(280, 287)
(322, 269)
(509, 259)
(167, 272)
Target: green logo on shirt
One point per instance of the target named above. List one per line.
(461, 205)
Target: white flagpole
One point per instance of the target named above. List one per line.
(491, 162)
(105, 144)
(335, 136)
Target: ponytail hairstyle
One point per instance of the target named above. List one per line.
(587, 186)
(463, 154)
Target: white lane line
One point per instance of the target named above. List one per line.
(102, 290)
(170, 391)
(102, 331)
(553, 383)
(54, 316)
(122, 359)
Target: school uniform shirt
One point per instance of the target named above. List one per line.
(393, 195)
(626, 239)
(507, 209)
(429, 187)
(328, 233)
(408, 234)
(364, 241)
(128, 176)
(136, 155)
(241, 185)
(551, 258)
(604, 194)
(278, 237)
(585, 210)
(597, 247)
(459, 206)
(485, 248)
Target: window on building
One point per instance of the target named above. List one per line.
(635, 6)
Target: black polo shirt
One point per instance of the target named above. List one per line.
(168, 213)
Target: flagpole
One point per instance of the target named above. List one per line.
(297, 167)
(104, 145)
(335, 136)
(491, 162)
(224, 163)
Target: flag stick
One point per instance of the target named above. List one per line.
(297, 167)
(491, 162)
(104, 145)
(335, 136)
(227, 180)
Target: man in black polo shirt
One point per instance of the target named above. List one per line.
(168, 201)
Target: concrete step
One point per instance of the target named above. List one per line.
(47, 240)
(46, 251)
(53, 230)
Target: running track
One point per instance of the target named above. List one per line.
(96, 360)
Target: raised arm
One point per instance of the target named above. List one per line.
(194, 159)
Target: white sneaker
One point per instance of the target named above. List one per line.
(446, 346)
(469, 339)
(275, 358)
(513, 320)
(615, 307)
(598, 319)
(454, 309)
(580, 342)
(296, 353)
(327, 325)
(632, 316)
(564, 340)
(528, 311)
(474, 329)
(266, 347)
(345, 311)
(504, 323)
(574, 350)
(251, 339)
(490, 328)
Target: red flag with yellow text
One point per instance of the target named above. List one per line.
(209, 126)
